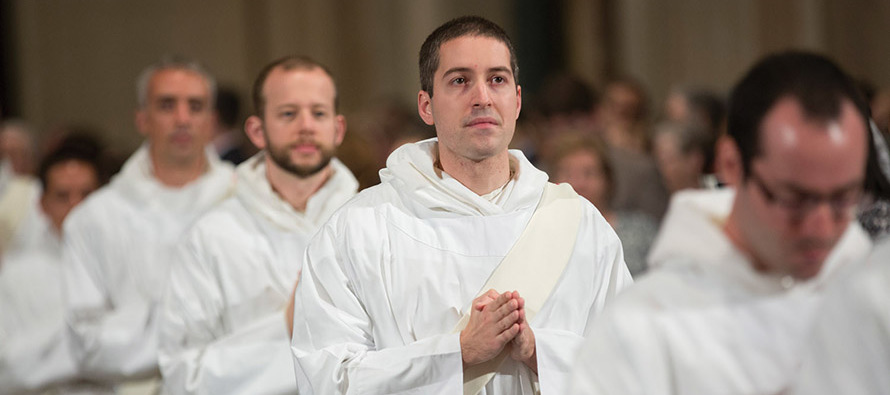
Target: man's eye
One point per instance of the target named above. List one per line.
(498, 80)
(319, 114)
(287, 114)
(196, 107)
(459, 81)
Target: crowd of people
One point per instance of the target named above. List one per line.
(734, 246)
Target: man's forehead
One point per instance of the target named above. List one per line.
(177, 82)
(788, 124)
(468, 50)
(310, 83)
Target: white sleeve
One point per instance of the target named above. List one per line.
(199, 354)
(334, 337)
(109, 342)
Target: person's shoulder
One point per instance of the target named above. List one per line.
(366, 201)
(103, 206)
(223, 218)
(667, 289)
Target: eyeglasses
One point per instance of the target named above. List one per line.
(842, 203)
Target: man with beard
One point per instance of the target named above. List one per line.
(739, 274)
(464, 271)
(223, 323)
(118, 244)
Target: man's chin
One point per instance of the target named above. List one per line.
(808, 268)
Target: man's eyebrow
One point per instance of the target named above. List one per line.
(457, 70)
(852, 185)
(498, 69)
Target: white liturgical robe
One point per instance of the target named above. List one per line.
(223, 327)
(34, 355)
(117, 249)
(388, 277)
(705, 322)
(850, 351)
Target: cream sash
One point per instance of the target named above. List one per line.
(532, 267)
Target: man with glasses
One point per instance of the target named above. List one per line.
(739, 273)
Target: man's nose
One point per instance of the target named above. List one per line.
(183, 113)
(822, 221)
(481, 95)
(306, 123)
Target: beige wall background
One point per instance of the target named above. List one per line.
(76, 60)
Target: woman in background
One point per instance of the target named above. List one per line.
(583, 162)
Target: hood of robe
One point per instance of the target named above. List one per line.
(254, 190)
(137, 181)
(692, 237)
(431, 192)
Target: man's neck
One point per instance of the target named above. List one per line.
(177, 174)
(481, 177)
(734, 234)
(294, 190)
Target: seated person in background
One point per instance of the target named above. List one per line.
(567, 105)
(584, 164)
(732, 294)
(682, 152)
(34, 353)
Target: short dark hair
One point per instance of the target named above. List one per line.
(814, 81)
(877, 167)
(76, 147)
(455, 28)
(291, 62)
(228, 106)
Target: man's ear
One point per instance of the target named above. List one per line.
(253, 128)
(518, 100)
(340, 130)
(139, 118)
(425, 107)
(728, 161)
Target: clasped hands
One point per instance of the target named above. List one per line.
(497, 321)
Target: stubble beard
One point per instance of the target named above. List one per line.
(281, 157)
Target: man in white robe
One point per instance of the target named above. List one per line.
(388, 278)
(34, 356)
(223, 324)
(118, 245)
(739, 273)
(849, 352)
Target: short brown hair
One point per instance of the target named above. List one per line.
(455, 28)
(291, 62)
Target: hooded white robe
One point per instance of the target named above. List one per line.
(117, 250)
(222, 322)
(704, 321)
(388, 277)
(850, 351)
(34, 356)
